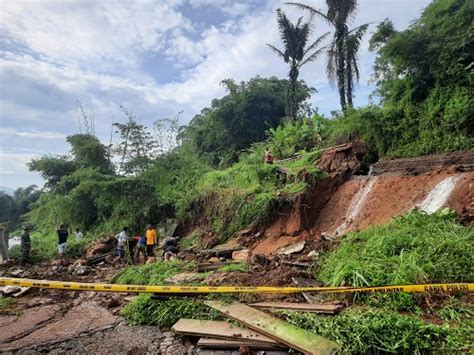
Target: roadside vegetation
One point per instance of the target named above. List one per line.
(210, 175)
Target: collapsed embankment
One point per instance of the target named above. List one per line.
(344, 201)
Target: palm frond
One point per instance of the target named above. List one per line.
(276, 50)
(311, 9)
(331, 63)
(316, 43)
(312, 57)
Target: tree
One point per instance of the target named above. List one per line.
(137, 147)
(89, 152)
(296, 53)
(52, 169)
(238, 119)
(342, 66)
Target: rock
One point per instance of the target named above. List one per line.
(114, 302)
(9, 290)
(16, 272)
(327, 236)
(214, 259)
(242, 255)
(291, 249)
(58, 269)
(82, 270)
(313, 254)
(222, 259)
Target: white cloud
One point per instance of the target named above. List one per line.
(5, 132)
(101, 33)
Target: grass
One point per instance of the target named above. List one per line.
(151, 274)
(235, 267)
(5, 304)
(415, 248)
(246, 193)
(191, 241)
(146, 311)
(381, 331)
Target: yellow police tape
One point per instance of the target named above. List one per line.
(79, 286)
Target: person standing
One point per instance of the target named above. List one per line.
(25, 246)
(78, 234)
(62, 240)
(151, 241)
(267, 156)
(121, 242)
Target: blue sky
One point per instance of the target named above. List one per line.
(156, 58)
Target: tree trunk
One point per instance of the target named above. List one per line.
(341, 67)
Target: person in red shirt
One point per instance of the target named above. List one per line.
(268, 157)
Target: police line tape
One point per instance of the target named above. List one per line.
(99, 287)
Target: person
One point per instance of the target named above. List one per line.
(121, 242)
(25, 246)
(268, 157)
(62, 240)
(140, 248)
(78, 234)
(151, 241)
(170, 248)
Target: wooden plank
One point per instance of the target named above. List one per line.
(275, 328)
(212, 343)
(218, 330)
(304, 307)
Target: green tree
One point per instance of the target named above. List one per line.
(137, 146)
(342, 66)
(240, 118)
(424, 77)
(89, 152)
(52, 169)
(296, 52)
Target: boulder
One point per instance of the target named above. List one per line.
(242, 255)
(291, 249)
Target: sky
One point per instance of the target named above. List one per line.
(153, 57)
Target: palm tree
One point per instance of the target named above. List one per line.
(296, 53)
(342, 66)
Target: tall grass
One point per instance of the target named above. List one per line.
(151, 274)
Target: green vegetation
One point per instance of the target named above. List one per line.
(297, 52)
(342, 55)
(374, 330)
(144, 310)
(5, 304)
(415, 248)
(236, 267)
(151, 274)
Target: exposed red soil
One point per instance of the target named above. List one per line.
(326, 206)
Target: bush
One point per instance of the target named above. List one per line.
(380, 331)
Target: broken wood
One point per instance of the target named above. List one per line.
(293, 248)
(213, 266)
(310, 298)
(302, 307)
(210, 343)
(218, 330)
(22, 291)
(275, 328)
(297, 263)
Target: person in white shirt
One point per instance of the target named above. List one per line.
(121, 242)
(78, 234)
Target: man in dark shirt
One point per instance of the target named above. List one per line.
(62, 240)
(25, 246)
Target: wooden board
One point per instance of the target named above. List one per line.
(281, 331)
(212, 343)
(218, 330)
(304, 307)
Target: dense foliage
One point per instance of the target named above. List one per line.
(239, 119)
(424, 77)
(14, 207)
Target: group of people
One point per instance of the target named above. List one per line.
(62, 234)
(137, 245)
(143, 245)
